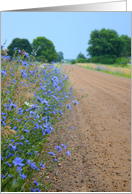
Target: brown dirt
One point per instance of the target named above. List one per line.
(102, 132)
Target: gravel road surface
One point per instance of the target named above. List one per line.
(101, 135)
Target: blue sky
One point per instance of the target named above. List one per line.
(69, 31)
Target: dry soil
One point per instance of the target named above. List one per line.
(101, 161)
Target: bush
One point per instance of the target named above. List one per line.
(105, 59)
(73, 61)
(81, 60)
(122, 61)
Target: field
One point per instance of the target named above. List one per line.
(110, 69)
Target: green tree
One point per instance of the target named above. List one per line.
(47, 50)
(104, 42)
(60, 57)
(20, 44)
(80, 55)
(126, 49)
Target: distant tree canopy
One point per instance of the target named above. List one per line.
(106, 46)
(126, 49)
(80, 55)
(60, 57)
(104, 42)
(20, 44)
(47, 50)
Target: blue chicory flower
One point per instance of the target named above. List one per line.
(17, 162)
(67, 152)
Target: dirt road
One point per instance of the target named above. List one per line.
(101, 135)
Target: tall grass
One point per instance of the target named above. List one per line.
(33, 98)
(118, 71)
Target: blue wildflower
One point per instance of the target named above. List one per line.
(8, 164)
(14, 127)
(3, 72)
(47, 131)
(18, 169)
(13, 147)
(18, 161)
(75, 102)
(36, 183)
(23, 176)
(20, 111)
(1, 157)
(42, 165)
(51, 153)
(37, 189)
(67, 152)
(37, 168)
(32, 165)
(63, 145)
(32, 189)
(68, 106)
(58, 148)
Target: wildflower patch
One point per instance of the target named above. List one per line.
(32, 100)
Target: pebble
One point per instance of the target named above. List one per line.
(57, 172)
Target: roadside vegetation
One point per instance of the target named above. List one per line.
(33, 98)
(110, 69)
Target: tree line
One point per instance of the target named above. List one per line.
(105, 46)
(45, 49)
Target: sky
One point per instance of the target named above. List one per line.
(69, 31)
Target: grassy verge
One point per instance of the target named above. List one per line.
(32, 101)
(109, 69)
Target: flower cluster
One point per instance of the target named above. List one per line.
(32, 101)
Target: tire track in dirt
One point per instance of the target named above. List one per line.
(107, 85)
(109, 92)
(102, 123)
(110, 78)
(116, 121)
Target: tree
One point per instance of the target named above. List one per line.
(47, 49)
(126, 49)
(60, 57)
(104, 42)
(20, 44)
(80, 55)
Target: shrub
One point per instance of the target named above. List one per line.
(73, 61)
(81, 60)
(122, 61)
